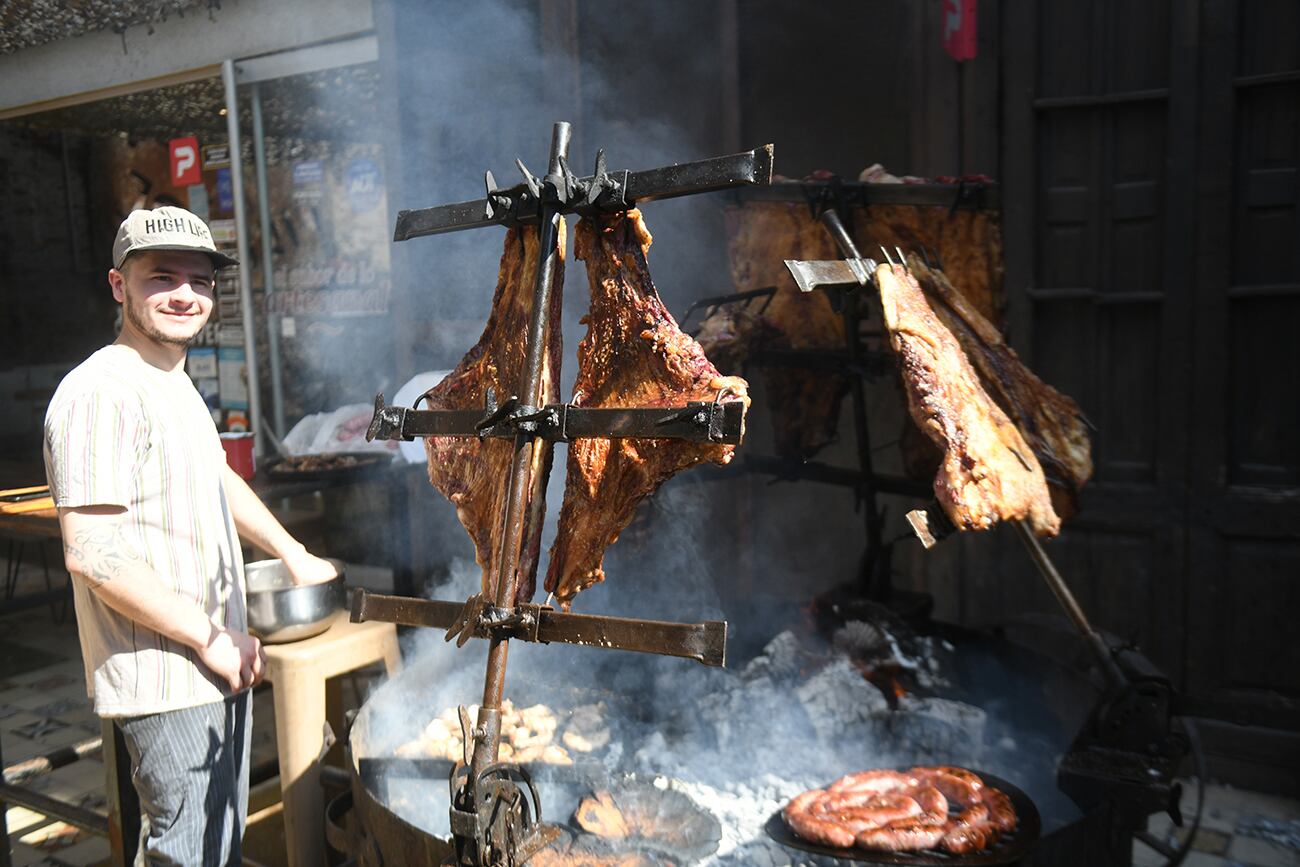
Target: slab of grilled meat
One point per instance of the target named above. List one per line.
(734, 332)
(988, 473)
(471, 473)
(633, 355)
(764, 234)
(761, 238)
(1052, 422)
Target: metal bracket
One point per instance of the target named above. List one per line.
(930, 525)
(466, 622)
(702, 413)
(603, 191)
(387, 422)
(494, 414)
(492, 814)
(715, 421)
(705, 642)
(520, 622)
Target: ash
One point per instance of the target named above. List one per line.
(877, 642)
(742, 743)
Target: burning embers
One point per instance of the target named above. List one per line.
(638, 824)
(739, 744)
(894, 660)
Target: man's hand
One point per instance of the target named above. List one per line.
(235, 657)
(306, 568)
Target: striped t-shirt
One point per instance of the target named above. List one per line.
(121, 432)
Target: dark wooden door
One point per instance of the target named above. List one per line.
(1244, 530)
(1098, 228)
(1153, 267)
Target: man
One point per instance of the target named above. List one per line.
(149, 513)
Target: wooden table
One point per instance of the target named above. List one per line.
(297, 673)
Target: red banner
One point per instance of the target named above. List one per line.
(185, 161)
(959, 28)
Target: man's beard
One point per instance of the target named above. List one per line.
(138, 318)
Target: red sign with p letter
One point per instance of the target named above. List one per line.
(185, 161)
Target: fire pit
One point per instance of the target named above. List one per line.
(736, 744)
(717, 748)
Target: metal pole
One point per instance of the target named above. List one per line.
(489, 719)
(878, 585)
(241, 239)
(1109, 668)
(268, 266)
(123, 801)
(20, 773)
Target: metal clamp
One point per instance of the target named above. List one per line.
(931, 525)
(466, 623)
(513, 416)
(561, 422)
(705, 414)
(496, 812)
(602, 191)
(387, 421)
(520, 622)
(494, 414)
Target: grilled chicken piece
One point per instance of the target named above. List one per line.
(473, 473)
(989, 473)
(1051, 422)
(633, 355)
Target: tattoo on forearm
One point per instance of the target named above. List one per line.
(101, 554)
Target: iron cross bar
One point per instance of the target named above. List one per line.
(602, 191)
(704, 642)
(700, 421)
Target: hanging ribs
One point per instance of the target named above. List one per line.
(632, 355)
(732, 333)
(1052, 422)
(989, 473)
(473, 473)
(762, 236)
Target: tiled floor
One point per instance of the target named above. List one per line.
(1238, 829)
(43, 705)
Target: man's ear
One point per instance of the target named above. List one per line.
(117, 280)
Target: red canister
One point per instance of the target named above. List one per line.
(239, 453)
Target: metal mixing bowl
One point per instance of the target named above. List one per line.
(280, 611)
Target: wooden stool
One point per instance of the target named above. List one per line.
(298, 672)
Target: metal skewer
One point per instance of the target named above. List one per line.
(495, 811)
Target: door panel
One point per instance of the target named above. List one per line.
(1244, 476)
(1264, 404)
(1096, 256)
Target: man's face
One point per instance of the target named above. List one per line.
(167, 294)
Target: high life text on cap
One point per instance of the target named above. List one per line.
(175, 224)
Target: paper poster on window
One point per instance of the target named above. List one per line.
(232, 377)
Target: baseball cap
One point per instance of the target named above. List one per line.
(166, 228)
